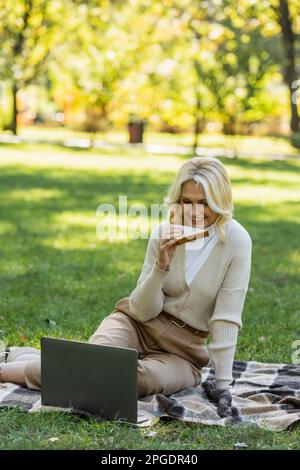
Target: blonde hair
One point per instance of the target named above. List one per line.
(212, 175)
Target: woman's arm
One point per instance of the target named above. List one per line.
(146, 300)
(222, 350)
(226, 320)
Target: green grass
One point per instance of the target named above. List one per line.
(53, 266)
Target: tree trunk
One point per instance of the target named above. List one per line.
(14, 122)
(295, 120)
(290, 75)
(229, 126)
(197, 122)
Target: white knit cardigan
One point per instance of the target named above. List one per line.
(213, 301)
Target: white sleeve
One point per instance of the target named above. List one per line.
(147, 299)
(221, 350)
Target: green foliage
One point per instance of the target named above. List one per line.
(162, 61)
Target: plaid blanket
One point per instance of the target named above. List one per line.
(267, 395)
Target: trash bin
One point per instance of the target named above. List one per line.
(136, 131)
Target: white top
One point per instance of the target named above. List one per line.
(197, 251)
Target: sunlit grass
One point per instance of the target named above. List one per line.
(35, 194)
(57, 158)
(268, 145)
(54, 266)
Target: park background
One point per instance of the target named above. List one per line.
(211, 77)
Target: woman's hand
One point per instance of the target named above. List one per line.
(222, 398)
(167, 246)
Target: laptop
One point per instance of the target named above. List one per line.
(98, 379)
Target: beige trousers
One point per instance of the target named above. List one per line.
(170, 358)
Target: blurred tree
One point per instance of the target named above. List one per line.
(229, 57)
(93, 63)
(29, 30)
(234, 59)
(178, 64)
(288, 16)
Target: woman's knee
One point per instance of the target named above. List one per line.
(116, 330)
(149, 383)
(32, 375)
(151, 377)
(165, 373)
(101, 337)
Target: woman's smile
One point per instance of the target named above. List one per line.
(194, 206)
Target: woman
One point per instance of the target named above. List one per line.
(184, 293)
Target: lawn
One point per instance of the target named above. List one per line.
(54, 267)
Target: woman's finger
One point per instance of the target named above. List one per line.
(171, 243)
(166, 243)
(171, 235)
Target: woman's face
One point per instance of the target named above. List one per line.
(195, 210)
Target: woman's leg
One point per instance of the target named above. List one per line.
(117, 329)
(13, 372)
(158, 370)
(165, 373)
(120, 330)
(23, 366)
(19, 361)
(32, 374)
